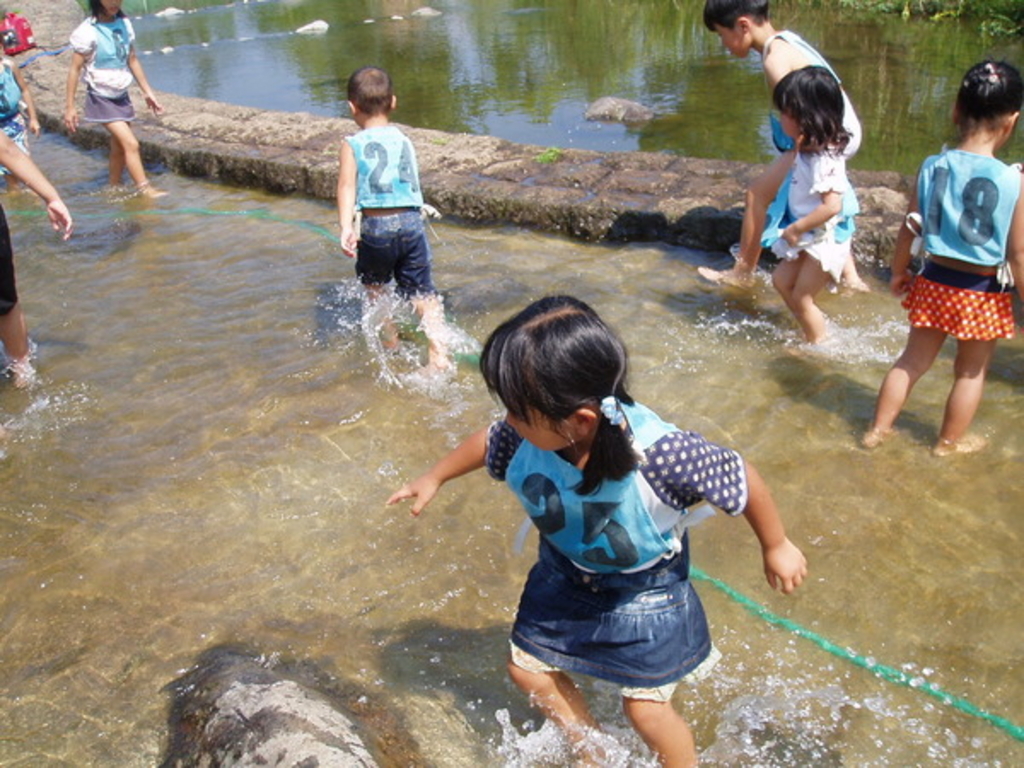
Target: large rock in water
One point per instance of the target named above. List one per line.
(237, 708)
(612, 108)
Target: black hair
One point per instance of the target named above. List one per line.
(990, 90)
(96, 8)
(553, 358)
(371, 91)
(813, 97)
(724, 13)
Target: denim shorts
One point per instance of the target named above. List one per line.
(395, 247)
(642, 630)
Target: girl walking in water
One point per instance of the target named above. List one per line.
(104, 58)
(968, 212)
(810, 102)
(609, 486)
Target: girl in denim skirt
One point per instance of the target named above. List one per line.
(610, 487)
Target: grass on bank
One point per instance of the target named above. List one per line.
(995, 17)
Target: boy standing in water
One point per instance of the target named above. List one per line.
(378, 177)
(743, 26)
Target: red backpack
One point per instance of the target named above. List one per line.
(16, 34)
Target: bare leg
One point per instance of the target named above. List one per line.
(923, 345)
(388, 331)
(431, 311)
(128, 157)
(759, 196)
(798, 282)
(663, 730)
(14, 335)
(969, 370)
(558, 698)
(851, 278)
(117, 162)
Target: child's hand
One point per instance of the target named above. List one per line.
(34, 127)
(899, 284)
(423, 489)
(71, 119)
(349, 241)
(785, 566)
(153, 104)
(791, 235)
(60, 218)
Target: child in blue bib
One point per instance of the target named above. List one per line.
(612, 489)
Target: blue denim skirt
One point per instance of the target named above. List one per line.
(642, 630)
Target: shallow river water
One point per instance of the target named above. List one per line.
(206, 455)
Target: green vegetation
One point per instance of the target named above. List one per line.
(995, 17)
(549, 155)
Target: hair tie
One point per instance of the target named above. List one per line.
(992, 72)
(612, 411)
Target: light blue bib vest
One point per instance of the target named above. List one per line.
(113, 44)
(607, 531)
(10, 93)
(967, 203)
(386, 173)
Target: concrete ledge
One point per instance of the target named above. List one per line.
(587, 195)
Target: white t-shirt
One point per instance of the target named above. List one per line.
(106, 48)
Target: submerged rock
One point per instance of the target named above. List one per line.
(235, 707)
(426, 11)
(614, 109)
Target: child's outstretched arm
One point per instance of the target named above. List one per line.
(347, 199)
(25, 169)
(784, 564)
(468, 456)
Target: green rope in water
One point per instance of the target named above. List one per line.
(880, 670)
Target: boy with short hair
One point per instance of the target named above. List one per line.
(743, 26)
(378, 177)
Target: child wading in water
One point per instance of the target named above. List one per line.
(970, 210)
(811, 104)
(378, 177)
(104, 58)
(608, 484)
(745, 26)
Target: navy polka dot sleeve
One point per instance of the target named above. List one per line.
(502, 442)
(683, 468)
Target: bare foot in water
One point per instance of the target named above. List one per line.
(875, 437)
(23, 373)
(727, 277)
(966, 444)
(148, 190)
(855, 285)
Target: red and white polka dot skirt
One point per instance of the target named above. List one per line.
(959, 312)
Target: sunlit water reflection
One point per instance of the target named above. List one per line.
(207, 452)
